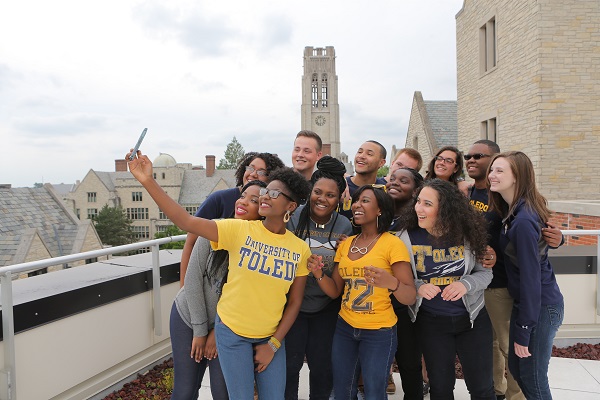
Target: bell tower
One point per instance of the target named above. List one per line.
(320, 108)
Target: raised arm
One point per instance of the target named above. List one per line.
(141, 169)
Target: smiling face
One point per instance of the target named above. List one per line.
(477, 169)
(368, 158)
(269, 207)
(305, 154)
(258, 164)
(246, 207)
(501, 178)
(324, 199)
(427, 207)
(444, 170)
(365, 209)
(401, 186)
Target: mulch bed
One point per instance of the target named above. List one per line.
(153, 385)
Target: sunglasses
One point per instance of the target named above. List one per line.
(259, 172)
(446, 160)
(477, 156)
(379, 186)
(273, 194)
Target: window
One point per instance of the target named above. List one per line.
(78, 212)
(487, 46)
(161, 228)
(91, 197)
(324, 91)
(92, 213)
(488, 130)
(91, 260)
(163, 175)
(162, 215)
(136, 196)
(137, 213)
(154, 175)
(191, 209)
(141, 232)
(315, 91)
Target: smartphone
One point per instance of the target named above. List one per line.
(137, 145)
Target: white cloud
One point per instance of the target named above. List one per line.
(79, 80)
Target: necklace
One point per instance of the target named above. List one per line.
(362, 250)
(322, 226)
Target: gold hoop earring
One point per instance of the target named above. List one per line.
(286, 217)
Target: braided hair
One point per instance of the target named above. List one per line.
(327, 168)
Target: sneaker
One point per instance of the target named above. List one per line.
(391, 387)
(425, 388)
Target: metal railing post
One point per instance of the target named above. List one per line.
(156, 291)
(598, 274)
(8, 384)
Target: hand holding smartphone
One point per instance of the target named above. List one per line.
(137, 145)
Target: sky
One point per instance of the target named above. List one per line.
(80, 80)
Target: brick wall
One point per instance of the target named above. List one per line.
(567, 221)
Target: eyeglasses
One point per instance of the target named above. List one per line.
(379, 186)
(477, 156)
(273, 194)
(446, 160)
(259, 172)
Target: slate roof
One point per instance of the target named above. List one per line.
(23, 211)
(443, 121)
(196, 187)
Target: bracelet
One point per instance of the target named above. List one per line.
(273, 340)
(397, 286)
(273, 347)
(321, 278)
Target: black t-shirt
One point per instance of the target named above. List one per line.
(478, 198)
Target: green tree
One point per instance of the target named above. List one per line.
(383, 171)
(233, 154)
(171, 230)
(38, 185)
(113, 226)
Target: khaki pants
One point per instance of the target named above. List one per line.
(499, 307)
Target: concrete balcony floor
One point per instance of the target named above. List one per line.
(569, 379)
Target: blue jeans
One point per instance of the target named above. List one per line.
(188, 373)
(311, 335)
(237, 361)
(369, 350)
(442, 338)
(532, 372)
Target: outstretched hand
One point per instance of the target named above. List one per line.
(140, 167)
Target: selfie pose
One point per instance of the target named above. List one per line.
(265, 280)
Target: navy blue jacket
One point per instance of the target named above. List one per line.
(531, 280)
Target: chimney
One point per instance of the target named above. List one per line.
(121, 165)
(210, 166)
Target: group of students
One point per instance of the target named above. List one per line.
(423, 268)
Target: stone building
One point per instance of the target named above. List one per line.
(528, 77)
(186, 184)
(35, 224)
(432, 125)
(320, 110)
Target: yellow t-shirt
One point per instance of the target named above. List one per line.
(262, 267)
(365, 306)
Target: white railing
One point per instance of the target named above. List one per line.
(8, 383)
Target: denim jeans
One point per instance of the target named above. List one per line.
(237, 361)
(369, 350)
(532, 372)
(442, 338)
(188, 373)
(408, 356)
(311, 335)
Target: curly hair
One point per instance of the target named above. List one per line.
(384, 202)
(459, 163)
(327, 168)
(457, 220)
(271, 161)
(298, 186)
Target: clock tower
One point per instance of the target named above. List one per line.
(320, 108)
